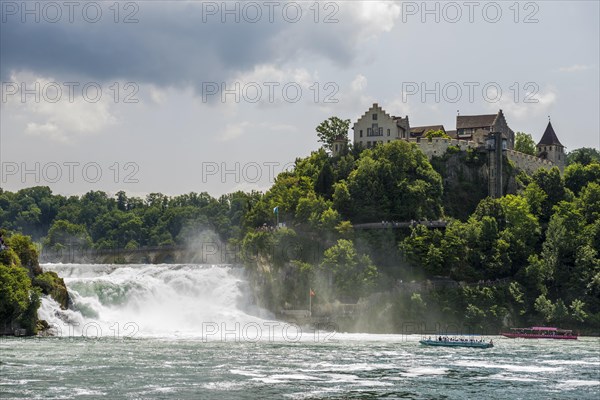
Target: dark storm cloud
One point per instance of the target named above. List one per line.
(171, 45)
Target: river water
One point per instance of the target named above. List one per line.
(189, 332)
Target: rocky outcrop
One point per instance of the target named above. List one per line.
(54, 286)
(22, 281)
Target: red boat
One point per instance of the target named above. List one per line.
(540, 332)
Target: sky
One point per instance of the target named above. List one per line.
(188, 96)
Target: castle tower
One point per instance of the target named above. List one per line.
(339, 146)
(551, 149)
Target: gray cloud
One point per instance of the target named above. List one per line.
(170, 45)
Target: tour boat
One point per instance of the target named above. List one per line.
(540, 332)
(445, 342)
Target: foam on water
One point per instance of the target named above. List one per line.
(509, 367)
(167, 367)
(422, 371)
(153, 300)
(573, 383)
(510, 378)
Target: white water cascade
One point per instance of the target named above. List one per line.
(152, 300)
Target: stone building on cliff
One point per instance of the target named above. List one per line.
(376, 127)
(550, 148)
(476, 128)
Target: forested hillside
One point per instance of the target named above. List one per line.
(542, 241)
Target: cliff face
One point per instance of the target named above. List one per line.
(48, 282)
(54, 286)
(465, 177)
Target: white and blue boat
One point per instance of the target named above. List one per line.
(446, 342)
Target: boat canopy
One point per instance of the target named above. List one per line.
(541, 329)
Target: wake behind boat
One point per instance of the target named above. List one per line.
(457, 342)
(540, 332)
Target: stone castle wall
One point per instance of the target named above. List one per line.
(438, 146)
(528, 163)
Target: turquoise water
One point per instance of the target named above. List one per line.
(192, 332)
(344, 366)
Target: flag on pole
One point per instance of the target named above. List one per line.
(276, 210)
(312, 294)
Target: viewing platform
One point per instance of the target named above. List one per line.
(399, 225)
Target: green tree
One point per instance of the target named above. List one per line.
(522, 230)
(352, 273)
(19, 300)
(64, 233)
(417, 306)
(525, 144)
(474, 315)
(561, 312)
(535, 197)
(15, 288)
(332, 129)
(422, 248)
(577, 176)
(551, 182)
(325, 180)
(544, 307)
(393, 182)
(341, 198)
(583, 156)
(577, 312)
(589, 202)
(26, 251)
(458, 247)
(518, 297)
(436, 134)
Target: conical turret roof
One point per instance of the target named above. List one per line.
(549, 137)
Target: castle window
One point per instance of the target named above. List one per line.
(368, 144)
(368, 131)
(374, 117)
(388, 133)
(361, 133)
(380, 131)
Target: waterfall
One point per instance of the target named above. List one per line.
(163, 300)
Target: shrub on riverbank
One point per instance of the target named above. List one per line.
(21, 284)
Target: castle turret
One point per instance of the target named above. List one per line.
(339, 146)
(550, 148)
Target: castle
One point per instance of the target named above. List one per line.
(376, 127)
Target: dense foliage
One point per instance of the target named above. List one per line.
(97, 220)
(332, 129)
(528, 257)
(19, 299)
(524, 143)
(583, 156)
(436, 134)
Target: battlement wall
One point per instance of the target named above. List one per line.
(528, 163)
(439, 146)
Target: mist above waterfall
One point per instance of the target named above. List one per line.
(150, 300)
